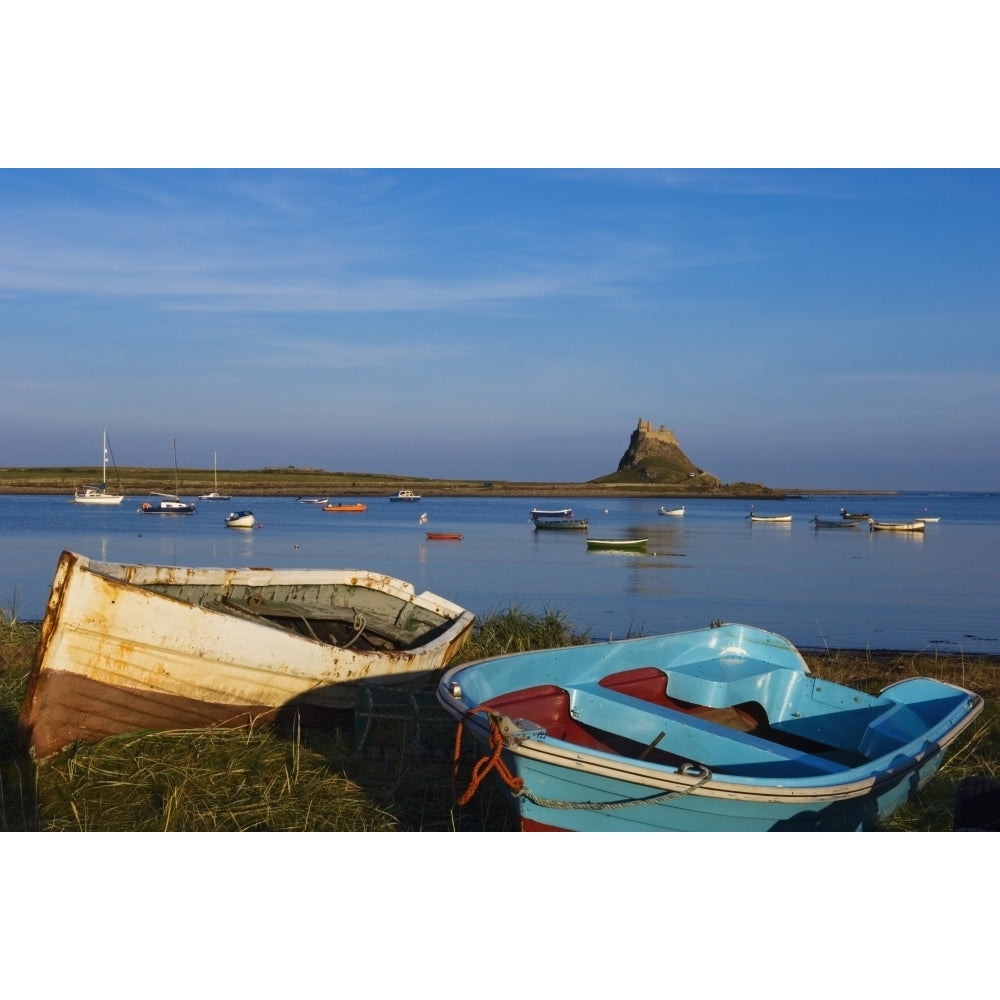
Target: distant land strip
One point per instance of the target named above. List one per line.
(295, 481)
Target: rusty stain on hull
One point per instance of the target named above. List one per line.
(131, 647)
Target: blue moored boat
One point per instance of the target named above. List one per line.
(716, 729)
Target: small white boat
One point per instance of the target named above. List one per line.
(676, 512)
(215, 494)
(771, 518)
(405, 496)
(928, 520)
(100, 494)
(538, 514)
(895, 525)
(241, 519)
(319, 500)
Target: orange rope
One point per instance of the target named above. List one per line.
(485, 764)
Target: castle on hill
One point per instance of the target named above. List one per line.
(654, 455)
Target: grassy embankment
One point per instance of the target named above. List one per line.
(396, 778)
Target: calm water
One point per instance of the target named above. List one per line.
(822, 589)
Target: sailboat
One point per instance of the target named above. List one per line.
(171, 502)
(100, 494)
(215, 494)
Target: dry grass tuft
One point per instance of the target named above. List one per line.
(391, 773)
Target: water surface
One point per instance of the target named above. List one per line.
(831, 589)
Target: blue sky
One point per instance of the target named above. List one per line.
(816, 328)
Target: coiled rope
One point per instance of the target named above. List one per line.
(493, 761)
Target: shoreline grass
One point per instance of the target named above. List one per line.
(386, 771)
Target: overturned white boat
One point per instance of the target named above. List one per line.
(129, 647)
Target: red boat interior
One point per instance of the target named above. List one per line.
(549, 706)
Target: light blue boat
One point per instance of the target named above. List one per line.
(716, 729)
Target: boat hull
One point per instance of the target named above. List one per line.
(129, 647)
(241, 519)
(616, 543)
(911, 526)
(719, 729)
(97, 496)
(562, 524)
(167, 507)
(345, 508)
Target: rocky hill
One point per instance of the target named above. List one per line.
(654, 457)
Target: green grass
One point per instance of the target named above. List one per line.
(387, 771)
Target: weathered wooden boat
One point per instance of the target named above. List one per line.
(770, 518)
(821, 522)
(444, 536)
(346, 508)
(405, 496)
(675, 512)
(911, 526)
(241, 519)
(562, 524)
(126, 647)
(616, 543)
(847, 515)
(539, 514)
(716, 729)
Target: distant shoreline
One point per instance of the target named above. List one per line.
(298, 482)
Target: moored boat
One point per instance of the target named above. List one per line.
(346, 508)
(912, 526)
(848, 516)
(241, 519)
(770, 518)
(562, 524)
(127, 647)
(537, 515)
(674, 512)
(405, 496)
(99, 494)
(169, 503)
(316, 500)
(616, 543)
(215, 494)
(821, 522)
(716, 729)
(444, 536)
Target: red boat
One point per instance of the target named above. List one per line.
(444, 536)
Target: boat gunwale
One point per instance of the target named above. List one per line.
(854, 782)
